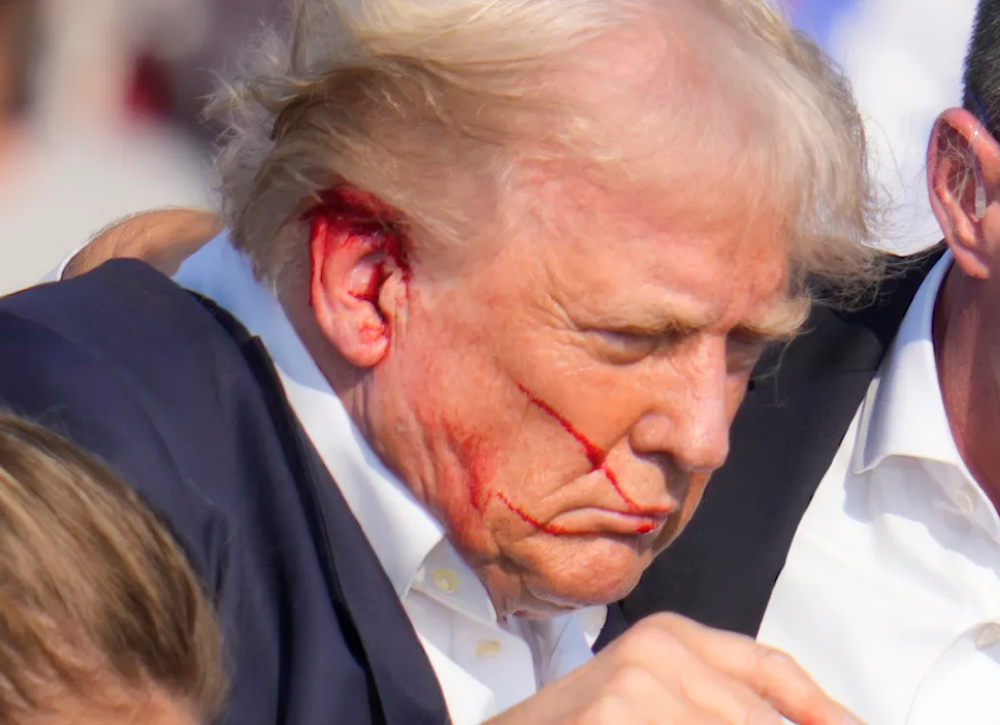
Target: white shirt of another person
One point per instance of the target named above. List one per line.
(890, 596)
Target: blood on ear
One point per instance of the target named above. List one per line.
(356, 246)
(355, 217)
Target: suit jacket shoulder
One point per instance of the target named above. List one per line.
(722, 569)
(185, 405)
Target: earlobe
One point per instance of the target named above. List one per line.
(962, 172)
(348, 271)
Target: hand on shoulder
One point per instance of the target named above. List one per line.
(163, 239)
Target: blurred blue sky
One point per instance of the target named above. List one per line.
(904, 59)
(816, 16)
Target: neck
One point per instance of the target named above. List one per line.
(967, 350)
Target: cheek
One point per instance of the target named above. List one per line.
(488, 472)
(459, 432)
(476, 462)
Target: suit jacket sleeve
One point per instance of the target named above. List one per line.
(106, 392)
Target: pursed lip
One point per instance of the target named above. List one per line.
(595, 508)
(595, 520)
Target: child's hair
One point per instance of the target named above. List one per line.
(99, 610)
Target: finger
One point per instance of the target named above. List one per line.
(772, 674)
(633, 696)
(678, 668)
(649, 700)
(162, 238)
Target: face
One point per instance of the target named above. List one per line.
(560, 402)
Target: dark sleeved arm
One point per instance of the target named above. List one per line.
(125, 399)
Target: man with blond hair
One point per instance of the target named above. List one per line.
(496, 274)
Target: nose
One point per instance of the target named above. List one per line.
(689, 418)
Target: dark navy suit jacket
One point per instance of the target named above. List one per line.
(185, 405)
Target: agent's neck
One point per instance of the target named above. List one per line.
(967, 349)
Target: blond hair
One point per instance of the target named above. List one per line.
(401, 97)
(99, 609)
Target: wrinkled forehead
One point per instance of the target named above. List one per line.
(664, 69)
(655, 145)
(663, 121)
(597, 206)
(620, 249)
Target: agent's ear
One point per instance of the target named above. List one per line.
(358, 268)
(963, 176)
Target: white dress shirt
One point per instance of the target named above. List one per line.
(890, 596)
(483, 665)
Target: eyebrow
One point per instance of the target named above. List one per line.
(780, 324)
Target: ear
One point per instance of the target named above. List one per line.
(357, 270)
(962, 157)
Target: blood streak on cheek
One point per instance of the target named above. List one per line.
(596, 456)
(478, 461)
(526, 518)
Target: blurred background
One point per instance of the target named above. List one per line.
(100, 103)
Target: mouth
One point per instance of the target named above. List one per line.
(595, 520)
(591, 520)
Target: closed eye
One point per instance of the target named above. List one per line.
(626, 345)
(623, 347)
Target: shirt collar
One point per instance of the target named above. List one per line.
(401, 531)
(903, 413)
(461, 590)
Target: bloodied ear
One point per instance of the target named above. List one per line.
(358, 256)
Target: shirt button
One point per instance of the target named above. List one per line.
(988, 635)
(488, 649)
(966, 501)
(445, 579)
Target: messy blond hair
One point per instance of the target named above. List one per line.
(99, 609)
(411, 100)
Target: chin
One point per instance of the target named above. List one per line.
(597, 572)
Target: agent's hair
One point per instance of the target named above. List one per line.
(99, 610)
(982, 66)
(431, 105)
(981, 98)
